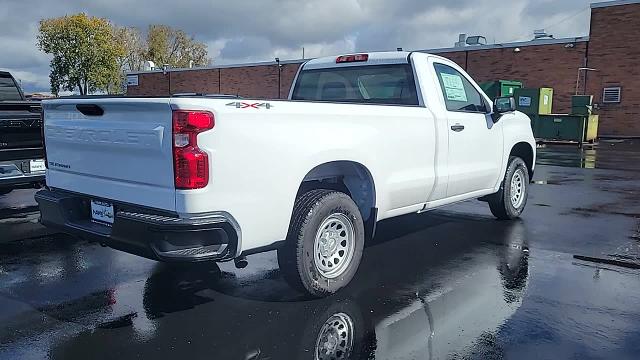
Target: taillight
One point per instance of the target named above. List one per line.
(352, 58)
(190, 163)
(44, 147)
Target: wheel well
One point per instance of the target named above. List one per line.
(524, 151)
(350, 177)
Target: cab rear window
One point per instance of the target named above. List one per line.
(8, 89)
(371, 84)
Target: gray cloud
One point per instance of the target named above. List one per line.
(244, 30)
(245, 47)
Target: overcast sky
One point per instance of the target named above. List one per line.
(247, 31)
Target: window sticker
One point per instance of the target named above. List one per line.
(453, 87)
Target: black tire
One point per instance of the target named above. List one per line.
(296, 257)
(500, 202)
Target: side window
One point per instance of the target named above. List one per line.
(459, 94)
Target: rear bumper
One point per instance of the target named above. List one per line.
(17, 173)
(149, 233)
(21, 154)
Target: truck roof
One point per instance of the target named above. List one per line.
(374, 58)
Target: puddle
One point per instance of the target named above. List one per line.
(6, 212)
(617, 261)
(600, 209)
(615, 155)
(557, 181)
(612, 177)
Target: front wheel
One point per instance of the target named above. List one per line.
(509, 202)
(324, 244)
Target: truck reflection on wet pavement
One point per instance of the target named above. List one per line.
(452, 283)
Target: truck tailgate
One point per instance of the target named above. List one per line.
(20, 130)
(112, 148)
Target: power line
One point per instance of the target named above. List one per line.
(520, 37)
(567, 18)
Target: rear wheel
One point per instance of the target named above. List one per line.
(509, 202)
(324, 244)
(336, 331)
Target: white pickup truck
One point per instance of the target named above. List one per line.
(362, 138)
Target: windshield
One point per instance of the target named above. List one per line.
(8, 89)
(379, 84)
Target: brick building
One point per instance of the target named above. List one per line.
(610, 49)
(614, 52)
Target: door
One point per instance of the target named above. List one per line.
(475, 142)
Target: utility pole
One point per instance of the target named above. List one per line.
(166, 72)
(585, 69)
(279, 73)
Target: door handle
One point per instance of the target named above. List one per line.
(457, 127)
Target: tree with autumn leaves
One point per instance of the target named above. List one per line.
(90, 54)
(84, 52)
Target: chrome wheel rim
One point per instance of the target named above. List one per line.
(335, 339)
(518, 188)
(334, 245)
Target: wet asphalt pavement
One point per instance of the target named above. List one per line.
(448, 284)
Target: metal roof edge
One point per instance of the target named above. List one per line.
(508, 45)
(225, 66)
(604, 4)
(431, 51)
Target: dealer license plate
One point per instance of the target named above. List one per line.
(36, 165)
(102, 211)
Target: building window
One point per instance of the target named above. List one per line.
(611, 95)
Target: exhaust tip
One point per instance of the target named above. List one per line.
(241, 262)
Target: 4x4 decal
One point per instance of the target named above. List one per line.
(245, 105)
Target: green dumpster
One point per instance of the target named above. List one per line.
(582, 104)
(500, 88)
(560, 127)
(534, 101)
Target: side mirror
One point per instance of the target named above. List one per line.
(503, 105)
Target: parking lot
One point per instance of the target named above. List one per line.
(561, 283)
